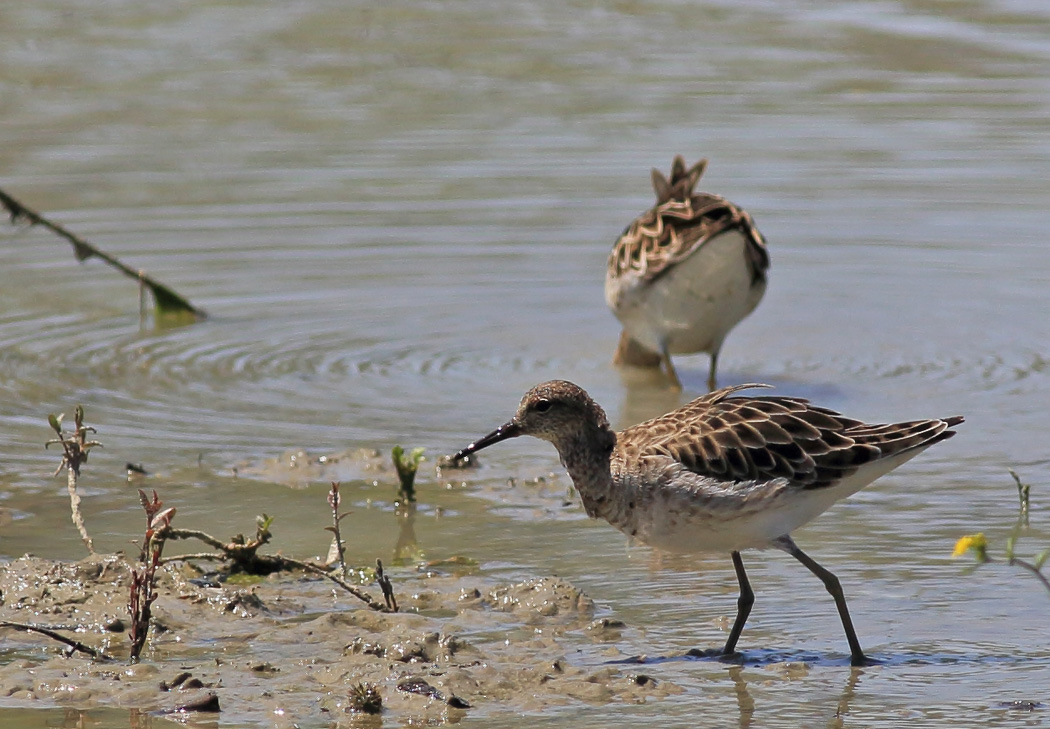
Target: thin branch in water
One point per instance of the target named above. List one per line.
(74, 645)
(1035, 570)
(166, 300)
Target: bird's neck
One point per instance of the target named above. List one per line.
(586, 456)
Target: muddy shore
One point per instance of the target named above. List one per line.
(288, 649)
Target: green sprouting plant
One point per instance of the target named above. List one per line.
(978, 543)
(75, 449)
(1024, 492)
(407, 464)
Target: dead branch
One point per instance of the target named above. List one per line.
(167, 301)
(74, 645)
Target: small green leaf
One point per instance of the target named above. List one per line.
(170, 304)
(55, 421)
(407, 466)
(1024, 491)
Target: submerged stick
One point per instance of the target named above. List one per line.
(75, 645)
(166, 300)
(1033, 568)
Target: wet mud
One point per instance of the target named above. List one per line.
(288, 649)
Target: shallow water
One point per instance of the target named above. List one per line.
(397, 216)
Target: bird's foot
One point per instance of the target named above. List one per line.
(863, 660)
(715, 653)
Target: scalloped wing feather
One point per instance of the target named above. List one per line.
(762, 438)
(679, 224)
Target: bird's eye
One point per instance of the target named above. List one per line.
(543, 406)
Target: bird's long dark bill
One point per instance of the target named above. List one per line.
(510, 430)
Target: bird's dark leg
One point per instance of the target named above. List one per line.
(712, 382)
(831, 582)
(743, 605)
(672, 374)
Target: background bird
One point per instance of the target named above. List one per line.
(683, 274)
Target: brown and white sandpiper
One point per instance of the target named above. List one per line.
(720, 474)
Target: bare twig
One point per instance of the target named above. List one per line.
(333, 501)
(385, 586)
(143, 584)
(355, 591)
(210, 556)
(203, 537)
(244, 555)
(75, 645)
(167, 301)
(239, 550)
(75, 447)
(1031, 568)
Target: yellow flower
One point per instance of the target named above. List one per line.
(975, 542)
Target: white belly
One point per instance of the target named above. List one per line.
(692, 307)
(690, 513)
(685, 532)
